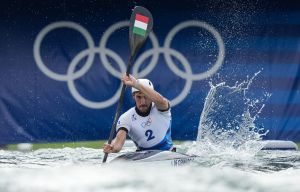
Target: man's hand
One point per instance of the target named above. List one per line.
(108, 148)
(129, 80)
(116, 144)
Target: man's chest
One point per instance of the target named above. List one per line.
(149, 127)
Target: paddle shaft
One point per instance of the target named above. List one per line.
(117, 115)
(136, 41)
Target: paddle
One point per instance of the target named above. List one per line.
(140, 25)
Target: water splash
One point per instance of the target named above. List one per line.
(228, 119)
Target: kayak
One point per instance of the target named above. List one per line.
(163, 157)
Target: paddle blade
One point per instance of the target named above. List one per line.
(141, 24)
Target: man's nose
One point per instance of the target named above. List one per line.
(143, 101)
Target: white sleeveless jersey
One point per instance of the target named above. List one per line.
(150, 132)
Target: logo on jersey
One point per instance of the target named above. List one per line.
(147, 123)
(133, 117)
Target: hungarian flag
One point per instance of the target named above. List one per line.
(140, 24)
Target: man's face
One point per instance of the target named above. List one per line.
(142, 102)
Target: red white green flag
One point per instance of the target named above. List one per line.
(140, 24)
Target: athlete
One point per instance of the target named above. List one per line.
(148, 124)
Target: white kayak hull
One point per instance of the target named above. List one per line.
(163, 157)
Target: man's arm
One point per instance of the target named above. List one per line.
(161, 102)
(117, 143)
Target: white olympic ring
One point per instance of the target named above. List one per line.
(209, 28)
(37, 49)
(155, 51)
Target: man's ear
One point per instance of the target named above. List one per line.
(133, 95)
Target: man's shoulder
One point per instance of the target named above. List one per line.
(165, 113)
(129, 112)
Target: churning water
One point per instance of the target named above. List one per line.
(80, 169)
(228, 146)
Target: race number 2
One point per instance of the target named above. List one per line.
(149, 134)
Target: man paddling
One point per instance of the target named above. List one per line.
(148, 124)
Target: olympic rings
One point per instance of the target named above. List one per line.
(103, 52)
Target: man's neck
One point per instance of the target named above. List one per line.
(143, 114)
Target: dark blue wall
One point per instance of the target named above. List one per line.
(36, 105)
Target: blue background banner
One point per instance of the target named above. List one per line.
(60, 63)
